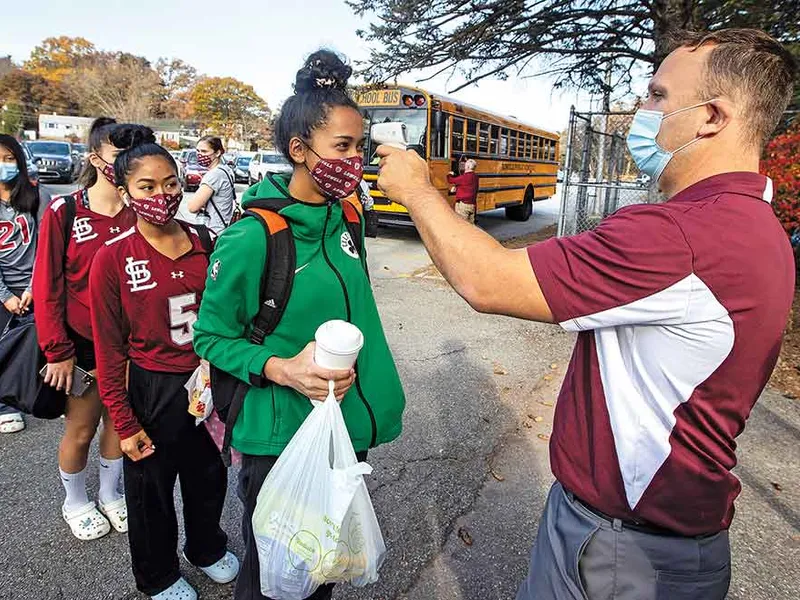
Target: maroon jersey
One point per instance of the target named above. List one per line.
(680, 309)
(144, 306)
(61, 287)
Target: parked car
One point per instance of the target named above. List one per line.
(267, 162)
(192, 172)
(176, 154)
(184, 155)
(33, 170)
(229, 158)
(57, 161)
(83, 152)
(241, 168)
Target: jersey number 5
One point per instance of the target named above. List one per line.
(181, 321)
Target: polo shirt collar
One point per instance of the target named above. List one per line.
(743, 183)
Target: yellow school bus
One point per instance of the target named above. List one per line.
(517, 163)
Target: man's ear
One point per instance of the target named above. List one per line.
(297, 150)
(719, 114)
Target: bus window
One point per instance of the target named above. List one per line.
(483, 140)
(493, 133)
(416, 123)
(528, 145)
(504, 142)
(512, 144)
(457, 139)
(537, 147)
(553, 150)
(472, 136)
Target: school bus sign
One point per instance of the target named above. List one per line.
(378, 98)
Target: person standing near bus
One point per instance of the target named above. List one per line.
(680, 309)
(145, 287)
(20, 209)
(64, 328)
(215, 199)
(321, 132)
(466, 186)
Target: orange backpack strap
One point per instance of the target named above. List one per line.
(353, 213)
(352, 208)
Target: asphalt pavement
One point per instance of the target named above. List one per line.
(458, 495)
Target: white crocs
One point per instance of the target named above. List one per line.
(224, 570)
(11, 423)
(86, 522)
(180, 590)
(117, 514)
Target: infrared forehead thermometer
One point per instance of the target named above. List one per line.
(390, 134)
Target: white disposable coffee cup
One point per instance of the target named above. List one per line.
(338, 345)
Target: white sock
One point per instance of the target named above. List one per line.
(75, 486)
(110, 473)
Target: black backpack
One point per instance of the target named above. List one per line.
(277, 278)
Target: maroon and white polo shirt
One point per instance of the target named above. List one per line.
(680, 308)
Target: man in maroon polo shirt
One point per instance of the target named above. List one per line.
(679, 309)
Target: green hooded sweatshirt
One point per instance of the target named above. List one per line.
(330, 283)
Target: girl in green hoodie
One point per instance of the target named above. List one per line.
(320, 131)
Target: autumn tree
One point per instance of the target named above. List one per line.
(57, 57)
(177, 80)
(116, 84)
(782, 161)
(231, 108)
(33, 94)
(580, 44)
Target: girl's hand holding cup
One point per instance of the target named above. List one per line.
(332, 357)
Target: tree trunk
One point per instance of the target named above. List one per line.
(669, 16)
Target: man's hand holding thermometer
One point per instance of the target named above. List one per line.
(403, 175)
(390, 134)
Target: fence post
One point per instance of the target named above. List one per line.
(583, 190)
(567, 173)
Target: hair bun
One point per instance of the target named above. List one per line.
(129, 135)
(323, 70)
(101, 122)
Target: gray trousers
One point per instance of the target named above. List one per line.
(579, 555)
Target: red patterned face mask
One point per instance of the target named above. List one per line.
(108, 171)
(157, 210)
(205, 160)
(337, 177)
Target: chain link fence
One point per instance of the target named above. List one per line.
(599, 173)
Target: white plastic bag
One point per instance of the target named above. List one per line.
(201, 403)
(314, 522)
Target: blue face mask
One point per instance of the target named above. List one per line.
(8, 171)
(651, 158)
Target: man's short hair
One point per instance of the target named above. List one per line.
(750, 67)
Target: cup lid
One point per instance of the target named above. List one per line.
(339, 337)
